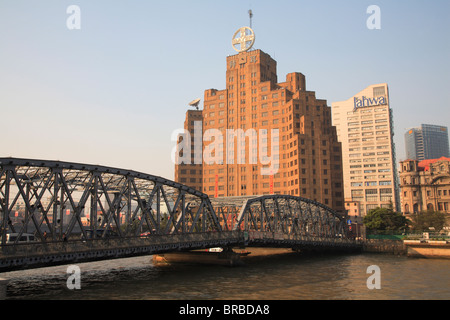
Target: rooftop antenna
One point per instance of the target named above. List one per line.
(250, 13)
(194, 103)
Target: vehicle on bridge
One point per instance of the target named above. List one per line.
(24, 238)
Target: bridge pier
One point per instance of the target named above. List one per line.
(3, 285)
(199, 257)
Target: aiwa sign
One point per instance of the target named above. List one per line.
(369, 102)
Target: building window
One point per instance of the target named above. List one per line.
(386, 195)
(379, 91)
(372, 195)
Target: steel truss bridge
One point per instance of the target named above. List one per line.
(79, 212)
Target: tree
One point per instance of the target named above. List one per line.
(423, 221)
(385, 219)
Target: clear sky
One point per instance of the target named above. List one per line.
(114, 91)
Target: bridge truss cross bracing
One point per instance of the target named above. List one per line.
(75, 200)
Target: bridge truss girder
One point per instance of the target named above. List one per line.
(290, 215)
(35, 196)
(123, 201)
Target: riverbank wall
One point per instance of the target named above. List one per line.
(428, 249)
(411, 248)
(396, 247)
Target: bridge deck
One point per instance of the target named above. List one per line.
(24, 256)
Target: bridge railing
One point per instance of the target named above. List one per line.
(296, 239)
(151, 243)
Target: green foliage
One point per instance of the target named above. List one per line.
(385, 219)
(132, 227)
(423, 221)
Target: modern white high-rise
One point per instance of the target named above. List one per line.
(364, 126)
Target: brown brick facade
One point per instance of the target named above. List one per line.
(307, 152)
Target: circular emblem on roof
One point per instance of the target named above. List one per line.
(243, 39)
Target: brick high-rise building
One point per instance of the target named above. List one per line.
(189, 171)
(282, 121)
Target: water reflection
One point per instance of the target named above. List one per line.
(290, 277)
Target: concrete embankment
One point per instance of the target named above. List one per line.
(396, 247)
(410, 248)
(428, 249)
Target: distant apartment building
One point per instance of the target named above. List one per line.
(427, 142)
(425, 185)
(364, 126)
(261, 137)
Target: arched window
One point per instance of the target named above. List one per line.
(430, 207)
(416, 208)
(406, 208)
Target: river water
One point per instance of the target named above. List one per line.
(287, 277)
